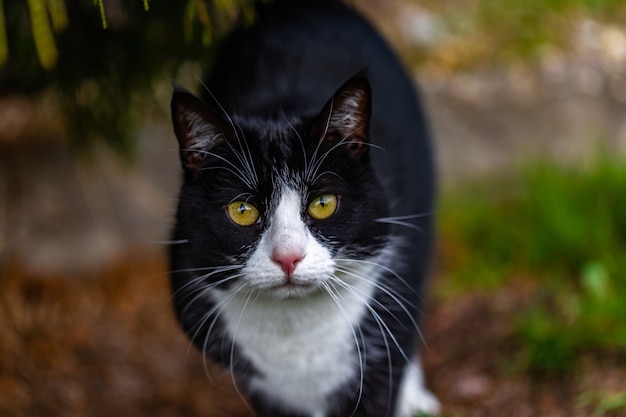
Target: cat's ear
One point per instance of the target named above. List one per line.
(346, 116)
(197, 128)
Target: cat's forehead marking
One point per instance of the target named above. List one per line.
(289, 178)
(287, 215)
(289, 196)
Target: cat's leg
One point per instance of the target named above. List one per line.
(413, 397)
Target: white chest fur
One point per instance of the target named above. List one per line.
(304, 349)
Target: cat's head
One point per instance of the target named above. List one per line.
(285, 205)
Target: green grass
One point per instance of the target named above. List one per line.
(565, 230)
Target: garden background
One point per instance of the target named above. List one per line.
(527, 102)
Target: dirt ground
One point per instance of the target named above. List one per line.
(109, 346)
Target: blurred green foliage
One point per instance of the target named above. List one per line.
(565, 228)
(495, 32)
(102, 59)
(604, 403)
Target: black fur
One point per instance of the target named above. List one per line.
(279, 80)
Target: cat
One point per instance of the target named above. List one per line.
(304, 223)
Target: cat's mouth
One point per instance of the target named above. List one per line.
(290, 289)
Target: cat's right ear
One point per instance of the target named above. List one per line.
(197, 128)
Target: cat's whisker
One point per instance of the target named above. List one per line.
(234, 169)
(408, 216)
(222, 109)
(387, 335)
(205, 268)
(379, 284)
(384, 330)
(398, 299)
(338, 300)
(165, 273)
(332, 173)
(201, 291)
(246, 162)
(312, 169)
(384, 268)
(232, 348)
(300, 140)
(245, 181)
(250, 163)
(190, 288)
(402, 220)
(401, 223)
(344, 141)
(246, 196)
(169, 242)
(214, 315)
(203, 277)
(245, 159)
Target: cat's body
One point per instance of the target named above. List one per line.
(303, 248)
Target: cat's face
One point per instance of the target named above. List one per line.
(279, 206)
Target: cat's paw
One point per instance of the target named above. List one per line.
(414, 398)
(419, 403)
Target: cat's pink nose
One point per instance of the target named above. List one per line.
(287, 260)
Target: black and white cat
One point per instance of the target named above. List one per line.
(304, 223)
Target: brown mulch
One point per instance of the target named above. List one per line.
(108, 345)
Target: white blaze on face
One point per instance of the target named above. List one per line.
(288, 261)
(287, 235)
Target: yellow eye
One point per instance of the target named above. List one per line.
(242, 213)
(323, 207)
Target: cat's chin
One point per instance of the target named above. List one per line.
(290, 291)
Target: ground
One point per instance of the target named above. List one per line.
(108, 345)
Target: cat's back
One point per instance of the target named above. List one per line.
(294, 57)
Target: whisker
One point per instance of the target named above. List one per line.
(399, 299)
(247, 196)
(338, 302)
(232, 348)
(201, 292)
(245, 162)
(236, 174)
(201, 269)
(292, 127)
(169, 242)
(233, 168)
(311, 171)
(215, 312)
(342, 142)
(328, 173)
(198, 279)
(401, 220)
(384, 268)
(401, 223)
(409, 216)
(384, 331)
(224, 112)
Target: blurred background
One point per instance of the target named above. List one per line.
(527, 103)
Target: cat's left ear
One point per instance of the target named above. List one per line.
(198, 129)
(346, 116)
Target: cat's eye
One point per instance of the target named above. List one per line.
(243, 213)
(323, 207)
